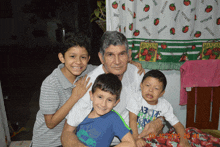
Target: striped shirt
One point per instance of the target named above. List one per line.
(55, 91)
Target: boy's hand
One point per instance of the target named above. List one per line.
(140, 142)
(81, 87)
(139, 66)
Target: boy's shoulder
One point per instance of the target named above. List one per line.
(56, 77)
(113, 116)
(52, 76)
(162, 102)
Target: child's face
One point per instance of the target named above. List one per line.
(75, 60)
(152, 89)
(103, 102)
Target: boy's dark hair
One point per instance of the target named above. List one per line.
(108, 83)
(73, 40)
(158, 75)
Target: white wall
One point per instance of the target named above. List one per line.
(172, 94)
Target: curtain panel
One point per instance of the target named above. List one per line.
(163, 34)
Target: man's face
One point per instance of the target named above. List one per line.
(115, 60)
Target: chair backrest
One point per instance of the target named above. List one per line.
(203, 107)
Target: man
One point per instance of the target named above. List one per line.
(114, 55)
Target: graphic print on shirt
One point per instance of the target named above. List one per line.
(84, 137)
(145, 116)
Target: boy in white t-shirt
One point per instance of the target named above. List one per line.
(146, 106)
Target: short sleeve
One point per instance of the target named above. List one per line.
(80, 110)
(120, 128)
(169, 115)
(49, 98)
(133, 103)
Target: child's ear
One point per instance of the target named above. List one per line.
(91, 95)
(116, 102)
(141, 86)
(61, 58)
(161, 94)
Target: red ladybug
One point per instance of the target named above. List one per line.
(134, 16)
(123, 6)
(185, 29)
(172, 31)
(218, 21)
(197, 34)
(156, 21)
(131, 26)
(208, 9)
(163, 45)
(115, 5)
(172, 7)
(146, 8)
(136, 33)
(187, 2)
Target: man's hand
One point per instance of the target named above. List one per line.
(81, 87)
(139, 66)
(153, 127)
(69, 138)
(140, 142)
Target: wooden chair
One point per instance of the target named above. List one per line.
(203, 107)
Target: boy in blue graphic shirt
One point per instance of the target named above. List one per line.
(146, 106)
(103, 123)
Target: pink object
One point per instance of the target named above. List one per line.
(198, 73)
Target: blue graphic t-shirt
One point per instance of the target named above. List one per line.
(99, 132)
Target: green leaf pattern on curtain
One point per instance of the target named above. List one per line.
(180, 28)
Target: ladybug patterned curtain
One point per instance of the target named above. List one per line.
(165, 34)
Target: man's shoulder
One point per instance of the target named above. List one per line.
(96, 72)
(131, 76)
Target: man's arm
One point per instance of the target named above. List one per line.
(153, 127)
(181, 131)
(133, 124)
(69, 138)
(127, 141)
(139, 66)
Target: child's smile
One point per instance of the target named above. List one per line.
(75, 60)
(103, 102)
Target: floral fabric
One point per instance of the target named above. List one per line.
(196, 138)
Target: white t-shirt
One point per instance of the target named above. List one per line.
(130, 84)
(147, 113)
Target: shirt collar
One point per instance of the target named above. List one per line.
(63, 80)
